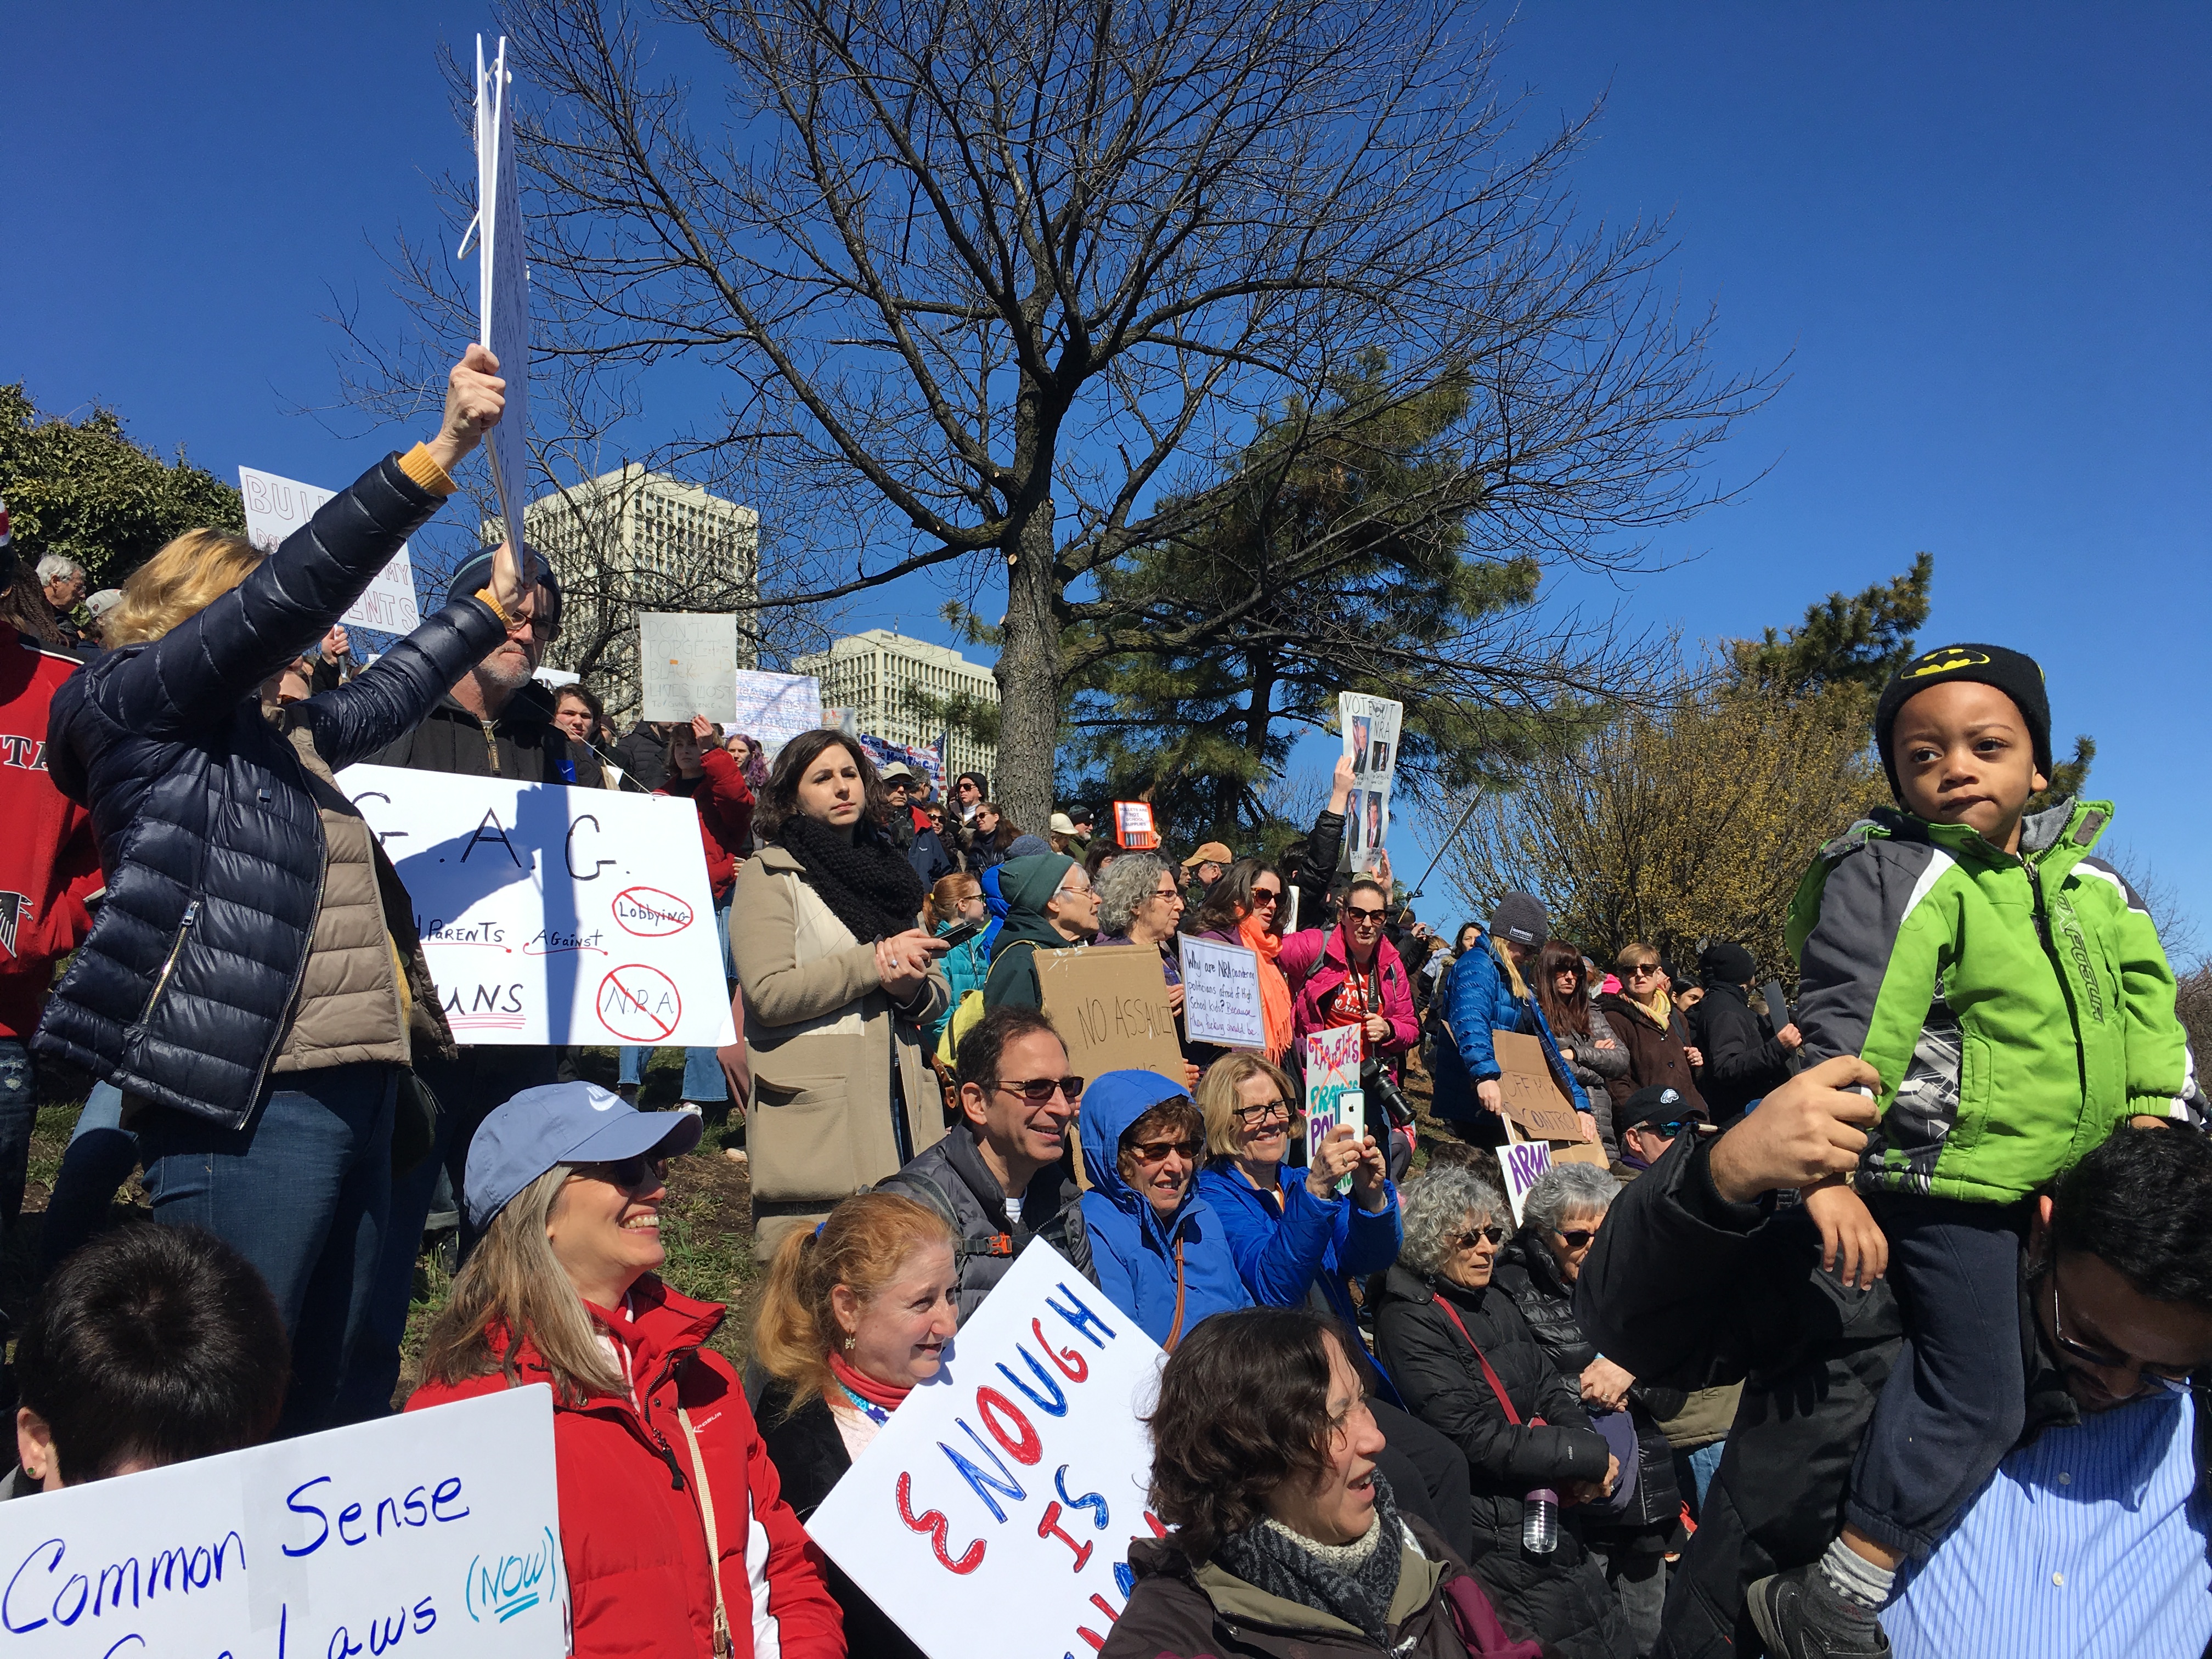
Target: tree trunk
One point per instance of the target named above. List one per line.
(1029, 673)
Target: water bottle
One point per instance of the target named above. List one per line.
(1540, 1522)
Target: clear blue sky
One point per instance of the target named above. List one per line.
(1982, 231)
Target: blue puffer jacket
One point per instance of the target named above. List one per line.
(1132, 1249)
(211, 844)
(1285, 1248)
(1482, 1001)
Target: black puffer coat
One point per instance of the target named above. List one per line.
(1527, 1273)
(1562, 1597)
(211, 844)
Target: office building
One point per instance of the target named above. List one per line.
(872, 674)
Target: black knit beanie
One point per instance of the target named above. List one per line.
(1725, 964)
(2019, 677)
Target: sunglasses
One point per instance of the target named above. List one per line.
(1647, 972)
(1578, 1238)
(1666, 1131)
(1266, 895)
(1474, 1236)
(1157, 1151)
(638, 1173)
(1265, 1111)
(1365, 918)
(1038, 1090)
(2174, 1381)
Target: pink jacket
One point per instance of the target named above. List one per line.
(1315, 979)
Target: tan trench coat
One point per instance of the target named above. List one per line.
(820, 1034)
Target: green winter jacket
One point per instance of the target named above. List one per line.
(2017, 1007)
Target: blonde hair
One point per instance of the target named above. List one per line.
(1519, 986)
(186, 577)
(1633, 956)
(1218, 1092)
(513, 1290)
(862, 1245)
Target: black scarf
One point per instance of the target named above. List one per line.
(865, 883)
(1355, 1587)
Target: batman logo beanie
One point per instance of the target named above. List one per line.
(2018, 676)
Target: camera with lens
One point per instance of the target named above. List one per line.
(1375, 1082)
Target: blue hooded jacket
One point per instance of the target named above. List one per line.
(1132, 1249)
(995, 902)
(1482, 1001)
(1287, 1242)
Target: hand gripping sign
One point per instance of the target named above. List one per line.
(1002, 1495)
(552, 915)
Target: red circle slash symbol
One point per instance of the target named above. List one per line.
(651, 914)
(639, 1004)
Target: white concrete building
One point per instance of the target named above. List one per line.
(870, 673)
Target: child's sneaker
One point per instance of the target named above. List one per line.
(1802, 1616)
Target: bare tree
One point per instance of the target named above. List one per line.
(1014, 279)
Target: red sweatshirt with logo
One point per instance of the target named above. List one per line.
(49, 867)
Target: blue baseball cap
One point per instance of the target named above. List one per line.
(564, 1124)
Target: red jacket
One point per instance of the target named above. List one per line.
(631, 1531)
(49, 866)
(726, 814)
(1317, 975)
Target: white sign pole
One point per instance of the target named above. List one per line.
(1002, 1494)
(551, 914)
(503, 282)
(1221, 1000)
(275, 507)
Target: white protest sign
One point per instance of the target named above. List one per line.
(1003, 1493)
(687, 664)
(275, 507)
(551, 914)
(1525, 1163)
(774, 708)
(1370, 738)
(1221, 994)
(502, 282)
(439, 1530)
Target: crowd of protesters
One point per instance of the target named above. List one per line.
(1875, 1326)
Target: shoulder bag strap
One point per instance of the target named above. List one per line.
(1174, 1332)
(1483, 1359)
(722, 1645)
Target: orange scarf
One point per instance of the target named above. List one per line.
(1274, 990)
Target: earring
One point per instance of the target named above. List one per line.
(849, 1340)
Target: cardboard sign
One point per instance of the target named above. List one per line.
(551, 914)
(687, 665)
(1532, 1098)
(1369, 726)
(775, 707)
(1221, 994)
(275, 507)
(439, 1530)
(503, 284)
(1110, 1008)
(1134, 826)
(1524, 1164)
(1002, 1495)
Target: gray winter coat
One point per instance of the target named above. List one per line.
(952, 1178)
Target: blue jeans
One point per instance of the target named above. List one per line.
(703, 1079)
(19, 1114)
(301, 1192)
(101, 1156)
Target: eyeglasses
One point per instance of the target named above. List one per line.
(1265, 1111)
(1079, 893)
(1362, 916)
(1168, 894)
(639, 1174)
(2174, 1381)
(1474, 1236)
(1038, 1090)
(1157, 1151)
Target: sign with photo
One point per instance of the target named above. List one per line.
(1371, 726)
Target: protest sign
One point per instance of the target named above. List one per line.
(1525, 1163)
(1110, 1008)
(275, 507)
(440, 1529)
(926, 763)
(1134, 827)
(1532, 1097)
(687, 664)
(503, 283)
(1371, 741)
(1002, 1495)
(775, 709)
(1221, 994)
(1332, 1059)
(551, 914)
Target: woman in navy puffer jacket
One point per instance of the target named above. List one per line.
(253, 982)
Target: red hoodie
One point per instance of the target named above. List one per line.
(49, 867)
(725, 813)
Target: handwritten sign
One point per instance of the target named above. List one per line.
(1333, 1092)
(1524, 1164)
(551, 914)
(1371, 740)
(437, 1532)
(275, 507)
(1003, 1493)
(1531, 1098)
(688, 664)
(1110, 1008)
(503, 283)
(1221, 994)
(775, 707)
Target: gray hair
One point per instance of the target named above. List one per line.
(1123, 886)
(1566, 1189)
(55, 566)
(1437, 1206)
